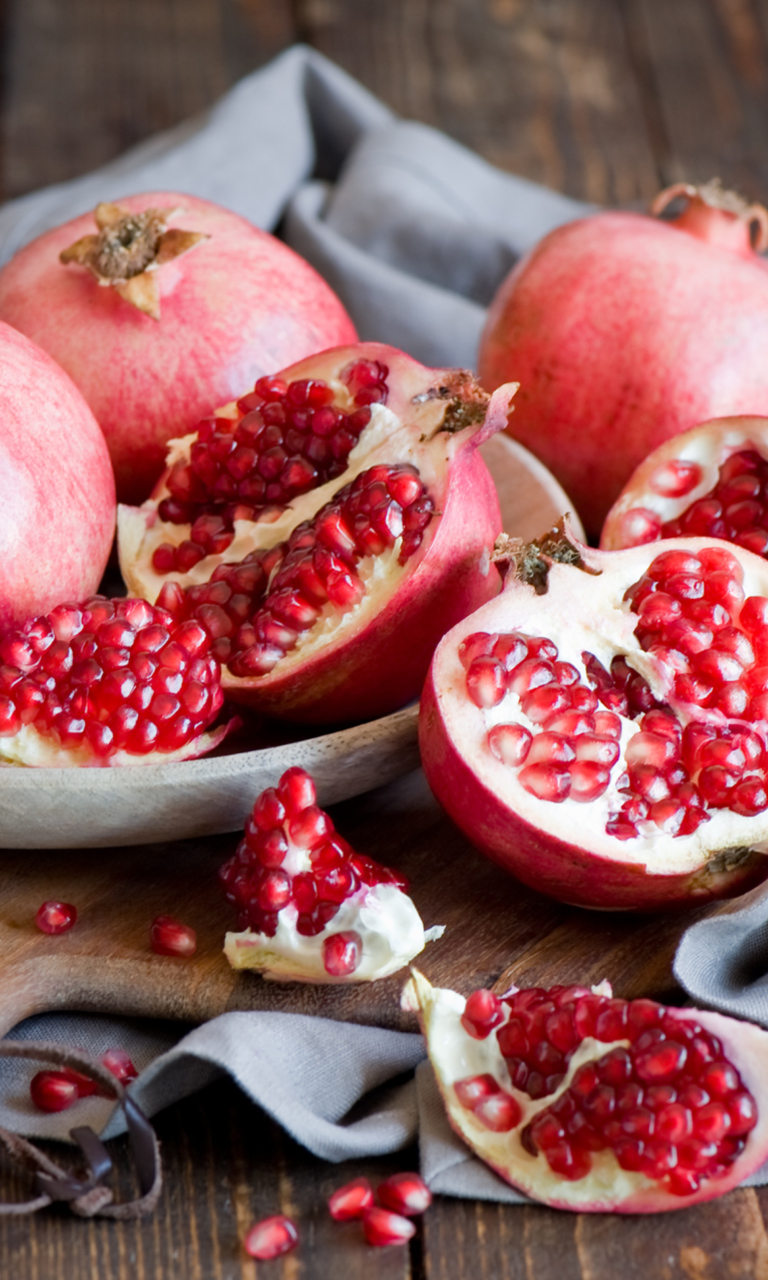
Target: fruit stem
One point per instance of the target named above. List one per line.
(717, 216)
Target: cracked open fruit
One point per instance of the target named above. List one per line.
(327, 529)
(311, 909)
(592, 1103)
(107, 682)
(601, 728)
(711, 481)
(161, 306)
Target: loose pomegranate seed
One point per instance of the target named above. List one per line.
(351, 1200)
(53, 1090)
(271, 1238)
(382, 1227)
(169, 937)
(118, 1062)
(55, 917)
(342, 953)
(404, 1193)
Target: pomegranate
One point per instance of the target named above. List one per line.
(310, 909)
(623, 330)
(606, 739)
(592, 1103)
(710, 481)
(311, 527)
(196, 303)
(106, 682)
(57, 492)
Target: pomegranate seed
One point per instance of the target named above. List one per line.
(351, 1200)
(546, 782)
(53, 1090)
(342, 953)
(676, 478)
(381, 1227)
(510, 743)
(474, 1089)
(118, 1062)
(404, 1193)
(55, 917)
(168, 937)
(271, 1238)
(482, 1013)
(499, 1112)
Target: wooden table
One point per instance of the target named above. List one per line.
(607, 100)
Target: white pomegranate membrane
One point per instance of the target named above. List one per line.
(563, 728)
(309, 907)
(735, 508)
(590, 1102)
(106, 682)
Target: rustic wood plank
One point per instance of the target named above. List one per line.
(543, 88)
(226, 1165)
(706, 72)
(86, 80)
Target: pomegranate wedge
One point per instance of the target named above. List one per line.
(327, 530)
(595, 1104)
(107, 682)
(601, 728)
(311, 909)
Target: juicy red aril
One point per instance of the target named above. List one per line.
(404, 1193)
(734, 509)
(279, 446)
(53, 1090)
(169, 937)
(669, 1104)
(351, 1200)
(483, 1012)
(382, 1227)
(55, 917)
(88, 682)
(271, 1238)
(118, 1062)
(258, 884)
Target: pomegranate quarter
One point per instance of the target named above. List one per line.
(601, 728)
(595, 1104)
(327, 530)
(310, 909)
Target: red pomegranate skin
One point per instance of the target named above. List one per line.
(57, 490)
(623, 330)
(234, 307)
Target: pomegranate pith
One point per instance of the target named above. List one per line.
(309, 907)
(615, 1104)
(628, 696)
(106, 682)
(310, 526)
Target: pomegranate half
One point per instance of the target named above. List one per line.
(601, 728)
(57, 491)
(624, 329)
(311, 909)
(327, 529)
(596, 1104)
(710, 481)
(161, 308)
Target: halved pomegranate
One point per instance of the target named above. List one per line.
(597, 1104)
(601, 729)
(327, 530)
(107, 682)
(711, 481)
(310, 909)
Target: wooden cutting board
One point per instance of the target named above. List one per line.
(497, 931)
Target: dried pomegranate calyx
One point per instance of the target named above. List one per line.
(128, 247)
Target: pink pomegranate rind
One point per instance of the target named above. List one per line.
(364, 658)
(611, 847)
(236, 306)
(709, 481)
(626, 1126)
(624, 330)
(57, 491)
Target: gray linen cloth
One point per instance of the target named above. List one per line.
(414, 232)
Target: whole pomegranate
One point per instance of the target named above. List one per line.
(710, 481)
(596, 1104)
(624, 329)
(601, 728)
(327, 529)
(57, 491)
(161, 308)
